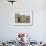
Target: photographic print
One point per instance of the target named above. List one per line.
(23, 18)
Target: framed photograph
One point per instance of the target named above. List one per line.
(23, 18)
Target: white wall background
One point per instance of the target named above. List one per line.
(37, 30)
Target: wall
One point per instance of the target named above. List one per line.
(37, 30)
